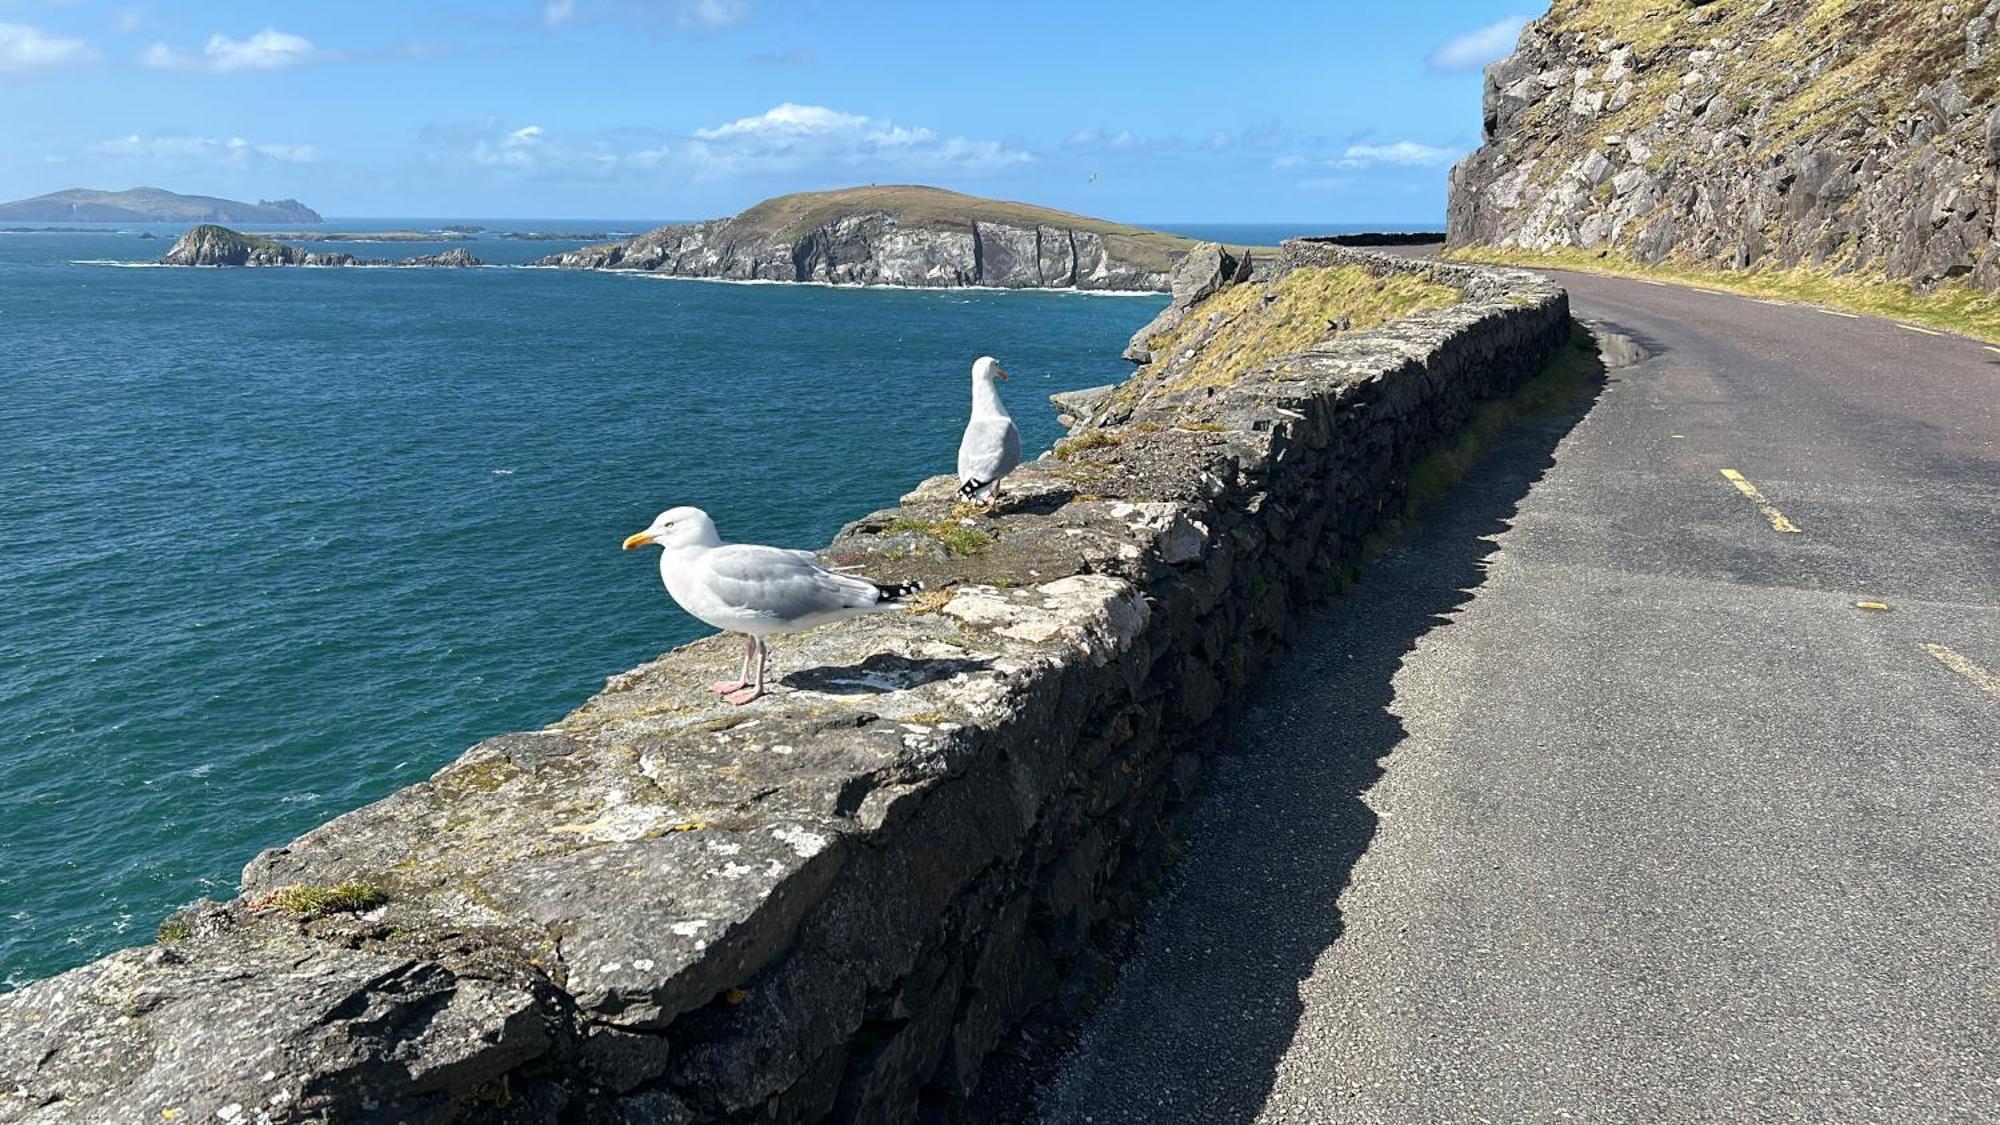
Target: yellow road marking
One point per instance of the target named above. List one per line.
(1878, 607)
(1771, 512)
(1980, 677)
(1837, 312)
(1994, 350)
(1914, 328)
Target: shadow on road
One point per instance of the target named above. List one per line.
(1199, 1019)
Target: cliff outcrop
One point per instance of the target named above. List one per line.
(915, 236)
(1860, 136)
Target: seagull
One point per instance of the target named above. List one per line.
(992, 445)
(755, 591)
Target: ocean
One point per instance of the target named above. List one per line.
(276, 542)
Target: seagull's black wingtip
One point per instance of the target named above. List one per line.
(897, 591)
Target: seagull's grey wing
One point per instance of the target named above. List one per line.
(782, 585)
(990, 450)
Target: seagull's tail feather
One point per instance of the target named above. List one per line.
(894, 592)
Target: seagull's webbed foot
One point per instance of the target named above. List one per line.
(724, 687)
(744, 695)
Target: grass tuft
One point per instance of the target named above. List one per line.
(1087, 440)
(305, 901)
(957, 538)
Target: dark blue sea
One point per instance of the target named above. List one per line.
(276, 542)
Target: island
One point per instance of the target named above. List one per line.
(900, 235)
(212, 245)
(151, 205)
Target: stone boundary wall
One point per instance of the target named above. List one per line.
(837, 902)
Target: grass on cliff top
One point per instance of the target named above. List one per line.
(1952, 307)
(1255, 324)
(789, 217)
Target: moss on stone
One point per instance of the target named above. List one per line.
(173, 930)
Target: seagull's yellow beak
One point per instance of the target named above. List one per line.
(638, 540)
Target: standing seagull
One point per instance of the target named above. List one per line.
(756, 591)
(992, 445)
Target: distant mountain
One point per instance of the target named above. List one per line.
(151, 205)
(900, 235)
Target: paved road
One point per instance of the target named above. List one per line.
(1599, 799)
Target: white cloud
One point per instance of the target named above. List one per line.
(711, 14)
(1408, 153)
(1475, 49)
(26, 52)
(193, 152)
(785, 138)
(269, 49)
(791, 137)
(688, 15)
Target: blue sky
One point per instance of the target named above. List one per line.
(655, 109)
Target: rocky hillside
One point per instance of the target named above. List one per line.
(1857, 135)
(152, 205)
(211, 245)
(899, 236)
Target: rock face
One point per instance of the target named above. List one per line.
(153, 205)
(1861, 137)
(211, 245)
(898, 236)
(839, 902)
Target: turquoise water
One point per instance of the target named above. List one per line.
(274, 543)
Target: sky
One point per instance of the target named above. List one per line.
(1165, 111)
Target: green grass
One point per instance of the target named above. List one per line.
(1951, 307)
(307, 900)
(1244, 327)
(955, 537)
(172, 931)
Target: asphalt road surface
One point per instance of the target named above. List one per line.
(1601, 797)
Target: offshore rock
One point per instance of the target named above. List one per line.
(212, 245)
(914, 236)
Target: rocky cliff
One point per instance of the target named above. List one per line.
(838, 903)
(211, 245)
(915, 236)
(1861, 136)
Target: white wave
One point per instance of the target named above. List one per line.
(124, 264)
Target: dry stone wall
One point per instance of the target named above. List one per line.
(840, 901)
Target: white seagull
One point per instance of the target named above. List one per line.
(991, 447)
(756, 591)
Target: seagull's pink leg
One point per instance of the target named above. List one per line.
(724, 687)
(755, 687)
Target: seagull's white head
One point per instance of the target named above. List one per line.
(987, 368)
(677, 527)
